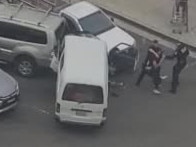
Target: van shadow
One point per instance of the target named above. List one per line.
(80, 129)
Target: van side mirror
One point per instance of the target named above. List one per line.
(112, 19)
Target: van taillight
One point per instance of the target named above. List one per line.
(104, 112)
(58, 107)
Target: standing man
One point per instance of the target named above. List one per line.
(157, 69)
(181, 53)
(183, 4)
(151, 66)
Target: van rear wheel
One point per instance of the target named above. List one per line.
(25, 66)
(102, 124)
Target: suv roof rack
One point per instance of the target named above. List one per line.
(34, 6)
(43, 18)
(19, 8)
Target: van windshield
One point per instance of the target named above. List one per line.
(83, 93)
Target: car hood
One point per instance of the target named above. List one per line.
(116, 36)
(7, 84)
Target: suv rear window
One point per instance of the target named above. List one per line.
(83, 93)
(21, 33)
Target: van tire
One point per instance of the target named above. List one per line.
(25, 66)
(57, 120)
(102, 124)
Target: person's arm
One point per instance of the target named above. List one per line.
(172, 56)
(153, 52)
(162, 59)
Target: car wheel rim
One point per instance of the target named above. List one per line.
(25, 68)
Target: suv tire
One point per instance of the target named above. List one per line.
(25, 66)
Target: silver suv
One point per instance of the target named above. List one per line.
(28, 36)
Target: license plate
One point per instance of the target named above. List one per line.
(80, 113)
(11, 100)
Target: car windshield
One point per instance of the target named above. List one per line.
(96, 23)
(83, 93)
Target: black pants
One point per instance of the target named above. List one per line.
(175, 75)
(156, 77)
(154, 73)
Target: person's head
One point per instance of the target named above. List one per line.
(155, 43)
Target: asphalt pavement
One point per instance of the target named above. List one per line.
(136, 117)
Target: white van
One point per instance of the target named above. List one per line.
(82, 81)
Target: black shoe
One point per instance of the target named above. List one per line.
(172, 91)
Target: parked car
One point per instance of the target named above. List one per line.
(85, 17)
(82, 81)
(9, 92)
(28, 36)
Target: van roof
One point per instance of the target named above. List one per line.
(29, 16)
(85, 61)
(80, 9)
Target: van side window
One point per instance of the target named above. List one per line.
(21, 33)
(62, 62)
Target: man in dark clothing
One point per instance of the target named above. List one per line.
(183, 4)
(181, 53)
(156, 70)
(151, 66)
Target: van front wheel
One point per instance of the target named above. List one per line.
(102, 124)
(25, 66)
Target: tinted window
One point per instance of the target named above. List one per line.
(83, 93)
(96, 23)
(17, 32)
